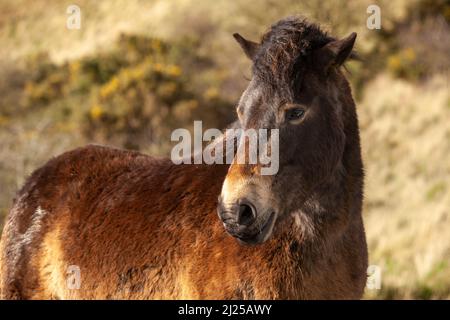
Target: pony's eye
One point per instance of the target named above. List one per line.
(294, 114)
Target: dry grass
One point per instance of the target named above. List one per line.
(29, 27)
(406, 148)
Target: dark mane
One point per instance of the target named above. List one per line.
(285, 48)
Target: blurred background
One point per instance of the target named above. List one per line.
(136, 70)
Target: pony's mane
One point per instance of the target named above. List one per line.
(285, 48)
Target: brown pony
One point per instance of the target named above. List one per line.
(137, 227)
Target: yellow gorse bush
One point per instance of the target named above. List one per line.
(110, 87)
(137, 87)
(96, 112)
(404, 64)
(211, 93)
(173, 70)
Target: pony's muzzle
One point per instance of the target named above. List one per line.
(241, 220)
(242, 214)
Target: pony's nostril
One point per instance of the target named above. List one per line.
(246, 215)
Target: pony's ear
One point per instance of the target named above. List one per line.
(250, 48)
(336, 52)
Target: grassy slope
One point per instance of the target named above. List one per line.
(405, 132)
(406, 148)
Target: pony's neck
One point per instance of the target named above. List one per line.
(325, 210)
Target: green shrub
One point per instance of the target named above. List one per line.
(134, 94)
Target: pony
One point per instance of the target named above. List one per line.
(138, 227)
